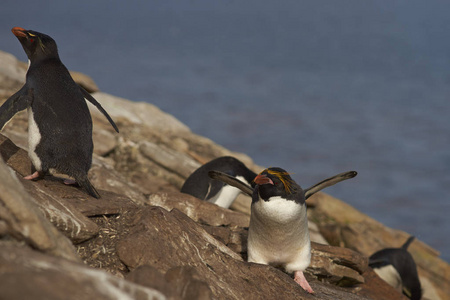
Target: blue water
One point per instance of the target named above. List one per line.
(315, 87)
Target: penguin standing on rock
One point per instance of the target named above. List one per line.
(59, 122)
(278, 233)
(199, 185)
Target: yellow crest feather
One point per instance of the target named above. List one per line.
(287, 182)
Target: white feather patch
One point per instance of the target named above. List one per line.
(390, 275)
(34, 137)
(226, 196)
(278, 234)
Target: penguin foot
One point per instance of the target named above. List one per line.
(299, 277)
(35, 175)
(69, 182)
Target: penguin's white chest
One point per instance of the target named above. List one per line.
(34, 137)
(278, 234)
(227, 194)
(390, 275)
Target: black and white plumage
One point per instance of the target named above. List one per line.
(397, 267)
(200, 185)
(278, 233)
(59, 121)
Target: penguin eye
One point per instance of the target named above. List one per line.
(32, 40)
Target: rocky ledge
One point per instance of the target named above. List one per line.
(145, 240)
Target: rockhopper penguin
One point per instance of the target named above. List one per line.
(278, 233)
(200, 185)
(59, 122)
(397, 267)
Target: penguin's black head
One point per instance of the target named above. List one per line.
(36, 45)
(277, 182)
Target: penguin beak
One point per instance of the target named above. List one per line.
(263, 179)
(19, 32)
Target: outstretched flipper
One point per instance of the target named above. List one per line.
(329, 182)
(308, 192)
(91, 99)
(17, 102)
(228, 179)
(88, 187)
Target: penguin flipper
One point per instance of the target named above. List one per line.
(17, 102)
(91, 99)
(329, 182)
(88, 187)
(228, 179)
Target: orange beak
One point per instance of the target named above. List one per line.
(262, 179)
(19, 32)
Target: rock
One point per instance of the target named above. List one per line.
(375, 288)
(104, 177)
(50, 197)
(345, 226)
(340, 266)
(105, 142)
(198, 210)
(176, 162)
(186, 284)
(139, 113)
(12, 75)
(22, 220)
(223, 271)
(14, 156)
(27, 274)
(84, 81)
(152, 278)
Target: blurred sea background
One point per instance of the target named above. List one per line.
(314, 87)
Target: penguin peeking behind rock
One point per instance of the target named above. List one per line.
(278, 233)
(200, 185)
(59, 121)
(397, 267)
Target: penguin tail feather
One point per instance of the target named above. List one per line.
(88, 187)
(408, 242)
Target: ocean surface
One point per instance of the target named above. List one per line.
(314, 87)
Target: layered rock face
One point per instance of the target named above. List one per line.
(145, 240)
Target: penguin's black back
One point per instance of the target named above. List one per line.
(403, 262)
(201, 186)
(62, 116)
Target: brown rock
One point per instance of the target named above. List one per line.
(198, 210)
(233, 237)
(23, 221)
(184, 281)
(14, 156)
(336, 265)
(150, 277)
(224, 272)
(342, 256)
(344, 225)
(105, 141)
(12, 75)
(109, 204)
(49, 196)
(104, 177)
(84, 81)
(27, 274)
(375, 288)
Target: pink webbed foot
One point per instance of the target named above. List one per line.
(299, 277)
(69, 182)
(35, 175)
